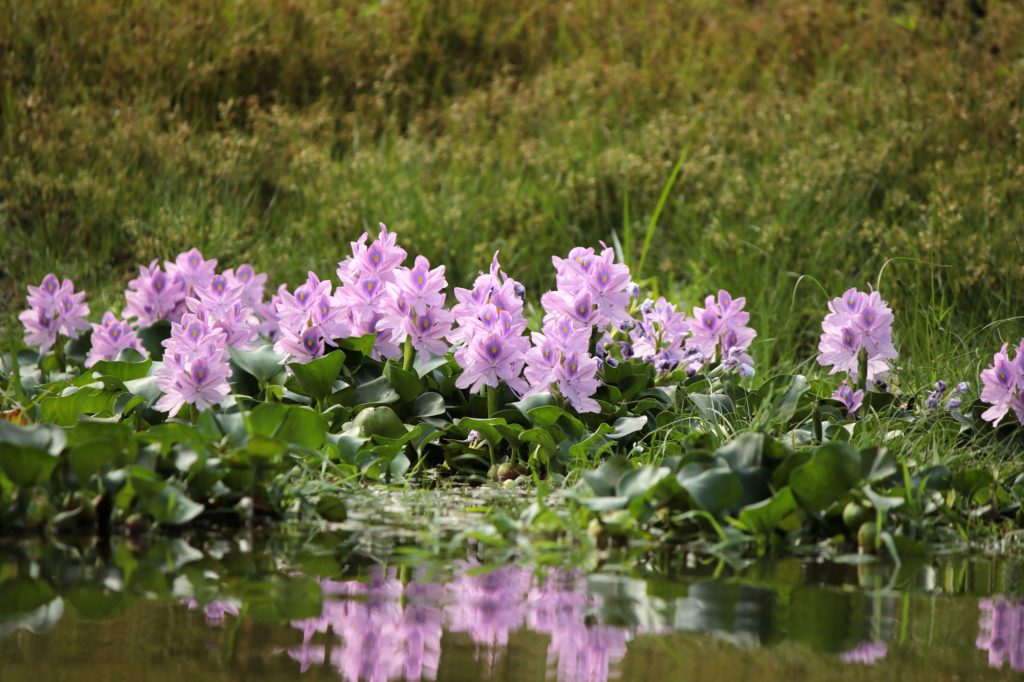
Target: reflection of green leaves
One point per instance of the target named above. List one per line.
(22, 595)
(283, 599)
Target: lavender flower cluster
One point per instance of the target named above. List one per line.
(1003, 385)
(857, 336)
(592, 318)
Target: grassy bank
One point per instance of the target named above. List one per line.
(834, 140)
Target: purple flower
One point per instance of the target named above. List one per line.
(1001, 632)
(54, 308)
(252, 283)
(865, 653)
(376, 261)
(963, 388)
(429, 329)
(721, 325)
(40, 329)
(542, 363)
(857, 322)
(850, 398)
(661, 333)
(308, 319)
(488, 359)
(491, 327)
(202, 382)
(577, 382)
(191, 270)
(219, 296)
(999, 387)
(110, 338)
(153, 296)
(421, 286)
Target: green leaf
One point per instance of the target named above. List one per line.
(162, 500)
(153, 336)
(360, 344)
(713, 490)
(73, 402)
(784, 392)
(428, 405)
(425, 366)
(882, 503)
(29, 453)
(639, 482)
(604, 480)
(293, 424)
(317, 377)
(380, 421)
(407, 384)
(376, 392)
(94, 445)
(261, 363)
(122, 370)
(766, 516)
(625, 426)
(877, 463)
(834, 468)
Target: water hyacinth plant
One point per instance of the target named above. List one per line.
(856, 339)
(240, 395)
(1002, 384)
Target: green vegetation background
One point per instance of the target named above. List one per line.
(824, 138)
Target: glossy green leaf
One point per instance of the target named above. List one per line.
(766, 516)
(713, 490)
(317, 377)
(291, 424)
(261, 363)
(29, 454)
(407, 383)
(830, 473)
(380, 421)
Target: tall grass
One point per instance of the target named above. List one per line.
(827, 140)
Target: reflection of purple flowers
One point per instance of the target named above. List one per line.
(386, 630)
(1001, 632)
(215, 611)
(865, 653)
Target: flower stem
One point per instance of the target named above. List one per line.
(492, 407)
(410, 354)
(862, 370)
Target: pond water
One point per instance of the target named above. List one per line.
(329, 606)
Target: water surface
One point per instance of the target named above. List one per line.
(327, 607)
